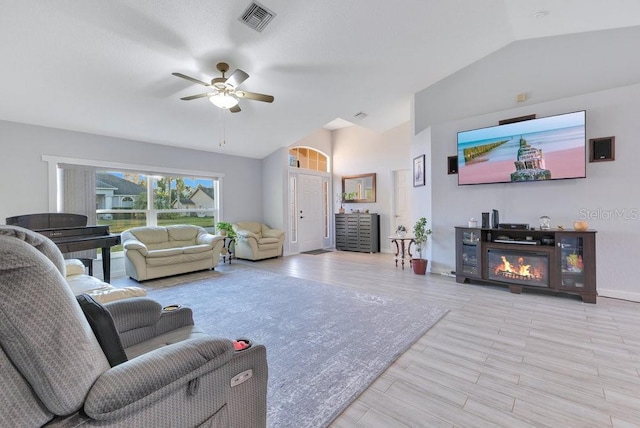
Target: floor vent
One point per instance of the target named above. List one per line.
(257, 16)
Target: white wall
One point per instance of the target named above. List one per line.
(24, 180)
(357, 150)
(274, 189)
(545, 69)
(319, 140)
(611, 98)
(421, 195)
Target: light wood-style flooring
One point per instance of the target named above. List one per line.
(496, 358)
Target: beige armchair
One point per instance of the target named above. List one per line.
(257, 241)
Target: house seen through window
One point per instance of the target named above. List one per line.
(125, 200)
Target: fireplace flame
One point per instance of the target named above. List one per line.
(521, 271)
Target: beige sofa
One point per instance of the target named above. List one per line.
(257, 241)
(158, 251)
(79, 282)
(72, 269)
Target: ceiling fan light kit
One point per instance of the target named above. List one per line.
(223, 100)
(223, 93)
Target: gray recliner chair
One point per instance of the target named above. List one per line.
(54, 371)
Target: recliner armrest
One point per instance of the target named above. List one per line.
(153, 375)
(147, 318)
(174, 319)
(129, 314)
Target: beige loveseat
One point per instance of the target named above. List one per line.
(157, 251)
(79, 282)
(257, 241)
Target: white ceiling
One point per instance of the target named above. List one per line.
(105, 67)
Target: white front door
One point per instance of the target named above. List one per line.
(309, 212)
(401, 201)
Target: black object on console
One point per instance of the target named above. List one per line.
(495, 220)
(485, 220)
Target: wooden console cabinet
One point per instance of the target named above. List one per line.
(358, 232)
(561, 261)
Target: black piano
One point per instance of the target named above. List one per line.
(71, 233)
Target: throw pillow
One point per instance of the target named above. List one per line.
(103, 328)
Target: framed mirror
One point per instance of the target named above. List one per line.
(359, 188)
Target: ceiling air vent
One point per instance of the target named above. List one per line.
(257, 16)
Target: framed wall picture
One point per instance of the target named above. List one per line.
(418, 171)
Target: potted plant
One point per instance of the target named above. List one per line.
(340, 199)
(401, 231)
(344, 196)
(226, 229)
(420, 236)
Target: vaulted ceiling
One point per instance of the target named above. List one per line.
(104, 67)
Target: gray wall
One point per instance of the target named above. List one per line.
(274, 189)
(24, 179)
(545, 69)
(559, 77)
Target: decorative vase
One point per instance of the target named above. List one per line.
(341, 210)
(222, 232)
(401, 233)
(580, 225)
(419, 266)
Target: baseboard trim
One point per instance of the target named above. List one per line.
(616, 294)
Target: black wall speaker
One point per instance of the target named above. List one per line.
(602, 149)
(452, 164)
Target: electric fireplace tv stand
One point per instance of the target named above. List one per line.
(560, 261)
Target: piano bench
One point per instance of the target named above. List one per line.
(88, 263)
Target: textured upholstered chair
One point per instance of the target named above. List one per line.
(54, 371)
(257, 241)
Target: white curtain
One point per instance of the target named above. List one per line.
(78, 196)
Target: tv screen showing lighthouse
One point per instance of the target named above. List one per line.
(549, 148)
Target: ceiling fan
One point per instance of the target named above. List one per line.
(224, 91)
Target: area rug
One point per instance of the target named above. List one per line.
(325, 344)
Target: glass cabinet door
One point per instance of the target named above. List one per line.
(571, 253)
(470, 252)
(470, 237)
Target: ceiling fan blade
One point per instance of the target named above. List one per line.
(236, 78)
(254, 96)
(193, 97)
(235, 109)
(191, 79)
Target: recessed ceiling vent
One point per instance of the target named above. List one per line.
(257, 16)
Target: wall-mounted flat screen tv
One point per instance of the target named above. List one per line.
(548, 148)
